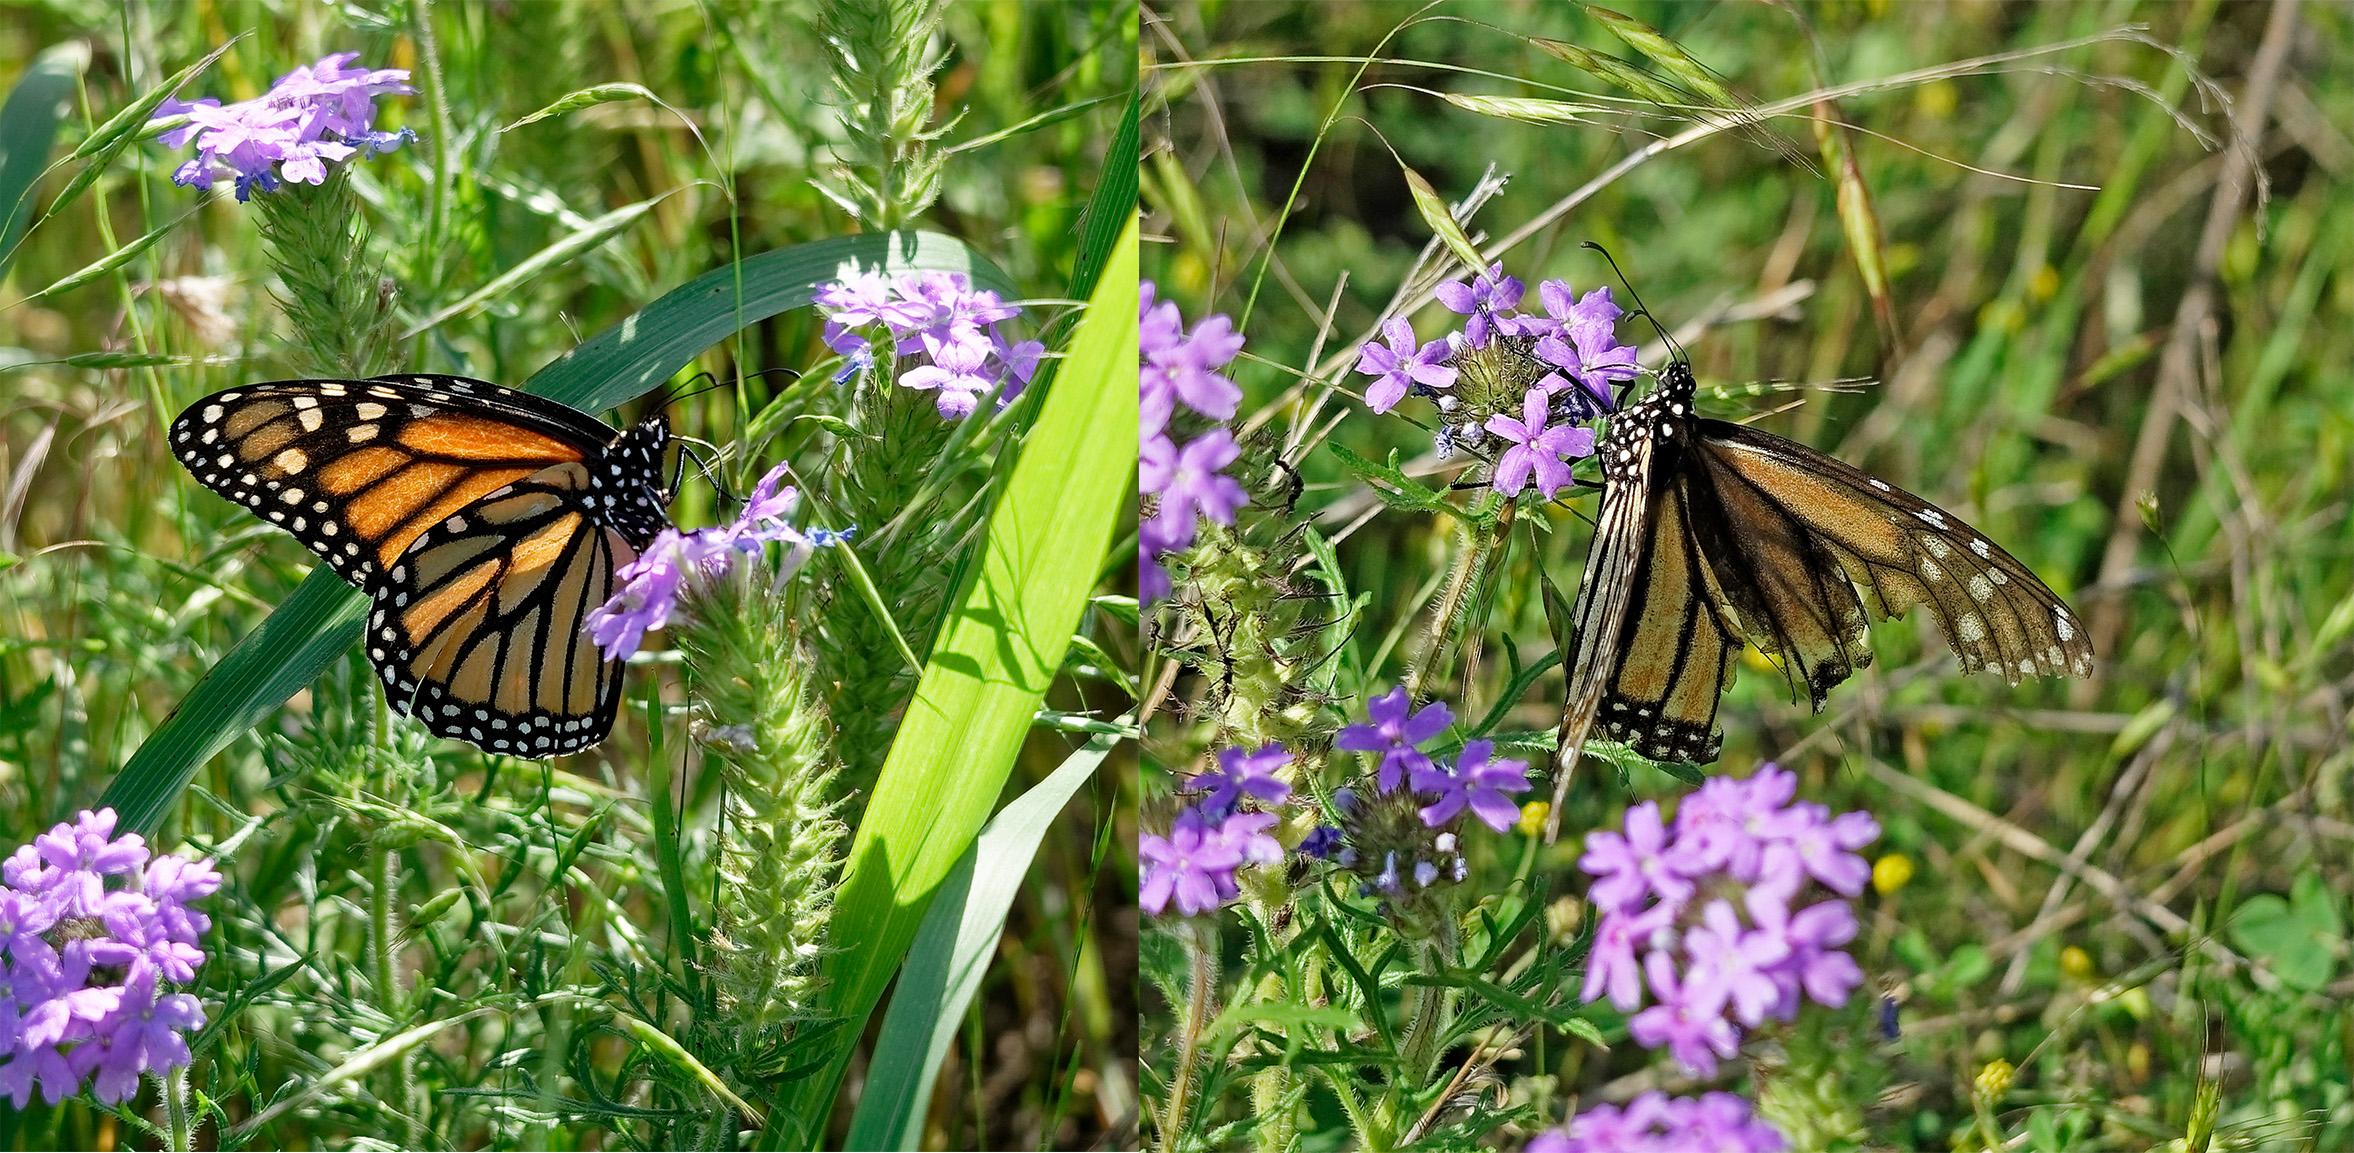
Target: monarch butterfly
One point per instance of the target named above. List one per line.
(1713, 533)
(483, 523)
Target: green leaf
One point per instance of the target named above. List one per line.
(1391, 483)
(951, 953)
(322, 619)
(112, 260)
(2298, 938)
(28, 126)
(998, 651)
(1289, 1017)
(1108, 210)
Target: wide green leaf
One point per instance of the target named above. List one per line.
(998, 652)
(951, 953)
(28, 126)
(322, 619)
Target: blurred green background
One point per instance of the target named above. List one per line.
(2138, 390)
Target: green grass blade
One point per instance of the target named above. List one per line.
(321, 620)
(572, 244)
(951, 953)
(1107, 213)
(112, 260)
(28, 126)
(998, 651)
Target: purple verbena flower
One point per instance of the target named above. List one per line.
(1243, 773)
(1584, 341)
(82, 964)
(1713, 904)
(650, 588)
(1179, 379)
(1247, 834)
(944, 335)
(1395, 734)
(1536, 448)
(1321, 842)
(1402, 363)
(1487, 301)
(318, 114)
(1636, 866)
(1475, 782)
(1693, 1032)
(1197, 490)
(1194, 864)
(1656, 1123)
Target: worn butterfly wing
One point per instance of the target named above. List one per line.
(1643, 444)
(1805, 546)
(1710, 533)
(483, 523)
(1676, 648)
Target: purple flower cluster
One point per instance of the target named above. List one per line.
(1530, 380)
(1402, 833)
(1194, 865)
(947, 334)
(1707, 915)
(1657, 1123)
(82, 966)
(677, 563)
(316, 115)
(1181, 368)
(1474, 781)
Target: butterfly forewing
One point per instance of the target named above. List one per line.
(356, 469)
(1615, 564)
(1677, 646)
(1898, 551)
(1711, 532)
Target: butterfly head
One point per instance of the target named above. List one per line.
(626, 485)
(1676, 380)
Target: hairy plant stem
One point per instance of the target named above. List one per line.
(1474, 547)
(779, 851)
(1278, 1127)
(331, 289)
(179, 1129)
(908, 553)
(1201, 946)
(1430, 1012)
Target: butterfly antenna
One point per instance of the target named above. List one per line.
(1677, 350)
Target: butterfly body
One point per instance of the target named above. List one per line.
(482, 523)
(1712, 533)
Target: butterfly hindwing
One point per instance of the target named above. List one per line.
(1675, 651)
(356, 469)
(478, 629)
